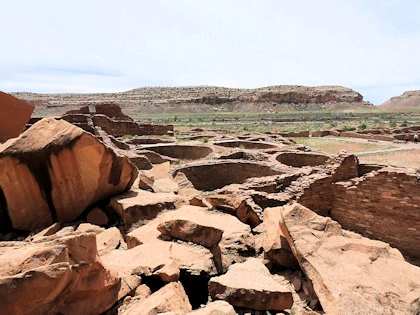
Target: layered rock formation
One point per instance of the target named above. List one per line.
(208, 99)
(408, 100)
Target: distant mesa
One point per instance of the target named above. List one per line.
(409, 99)
(205, 99)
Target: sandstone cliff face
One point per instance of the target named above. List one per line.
(409, 99)
(54, 171)
(207, 99)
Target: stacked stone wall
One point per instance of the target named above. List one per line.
(384, 205)
(121, 128)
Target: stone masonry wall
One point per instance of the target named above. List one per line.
(384, 205)
(315, 191)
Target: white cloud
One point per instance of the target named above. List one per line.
(96, 46)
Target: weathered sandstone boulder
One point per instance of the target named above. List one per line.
(165, 185)
(188, 222)
(145, 234)
(171, 298)
(58, 274)
(15, 113)
(193, 224)
(54, 171)
(251, 285)
(350, 274)
(147, 259)
(275, 245)
(108, 240)
(140, 206)
(235, 205)
(215, 308)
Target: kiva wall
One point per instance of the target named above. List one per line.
(384, 205)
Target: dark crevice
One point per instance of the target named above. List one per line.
(5, 222)
(196, 288)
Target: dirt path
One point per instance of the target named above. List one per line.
(397, 146)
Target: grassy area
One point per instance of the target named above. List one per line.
(286, 121)
(330, 145)
(406, 158)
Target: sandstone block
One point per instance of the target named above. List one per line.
(257, 290)
(54, 171)
(350, 274)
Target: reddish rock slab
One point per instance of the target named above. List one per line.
(235, 205)
(275, 245)
(193, 224)
(146, 259)
(171, 298)
(15, 114)
(140, 206)
(251, 285)
(54, 171)
(350, 274)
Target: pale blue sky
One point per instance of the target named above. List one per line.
(372, 46)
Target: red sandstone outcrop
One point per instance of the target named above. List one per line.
(350, 274)
(54, 275)
(54, 171)
(15, 113)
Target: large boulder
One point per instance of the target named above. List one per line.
(350, 274)
(193, 224)
(235, 205)
(275, 245)
(229, 239)
(137, 207)
(148, 259)
(54, 171)
(15, 113)
(58, 274)
(171, 298)
(251, 285)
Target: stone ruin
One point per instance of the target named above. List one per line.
(96, 223)
(374, 134)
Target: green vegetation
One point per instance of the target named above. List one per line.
(285, 121)
(332, 145)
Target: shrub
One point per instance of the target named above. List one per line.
(362, 127)
(346, 128)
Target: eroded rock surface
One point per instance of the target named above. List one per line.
(251, 285)
(15, 113)
(350, 274)
(54, 171)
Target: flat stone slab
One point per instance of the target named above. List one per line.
(251, 285)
